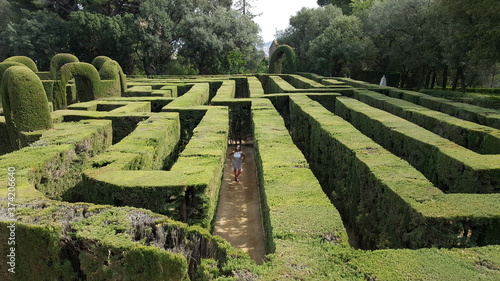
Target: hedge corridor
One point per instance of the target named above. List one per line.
(117, 177)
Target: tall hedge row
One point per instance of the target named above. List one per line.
(24, 103)
(449, 166)
(383, 198)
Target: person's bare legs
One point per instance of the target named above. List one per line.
(236, 174)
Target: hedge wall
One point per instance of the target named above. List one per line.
(301, 82)
(58, 61)
(449, 166)
(385, 200)
(24, 103)
(478, 138)
(476, 114)
(283, 60)
(188, 192)
(62, 241)
(304, 232)
(54, 163)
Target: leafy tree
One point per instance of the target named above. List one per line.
(404, 35)
(244, 7)
(359, 6)
(92, 35)
(158, 25)
(339, 48)
(39, 35)
(7, 17)
(345, 5)
(471, 37)
(212, 38)
(306, 26)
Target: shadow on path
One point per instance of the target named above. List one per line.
(238, 218)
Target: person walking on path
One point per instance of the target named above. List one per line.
(237, 159)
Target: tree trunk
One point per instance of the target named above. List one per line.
(428, 79)
(445, 77)
(455, 80)
(462, 79)
(433, 79)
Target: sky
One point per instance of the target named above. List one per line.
(276, 13)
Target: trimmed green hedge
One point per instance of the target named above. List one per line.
(302, 82)
(255, 87)
(449, 166)
(5, 146)
(188, 192)
(54, 163)
(276, 84)
(157, 103)
(24, 103)
(286, 54)
(112, 71)
(199, 94)
(226, 91)
(386, 201)
(58, 61)
(25, 61)
(484, 116)
(61, 241)
(479, 138)
(123, 122)
(304, 232)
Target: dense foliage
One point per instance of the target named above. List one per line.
(430, 42)
(144, 36)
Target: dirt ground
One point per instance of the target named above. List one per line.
(238, 218)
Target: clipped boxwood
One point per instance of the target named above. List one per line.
(188, 192)
(25, 61)
(62, 241)
(449, 166)
(24, 102)
(385, 200)
(58, 61)
(286, 53)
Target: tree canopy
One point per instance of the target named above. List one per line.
(428, 42)
(149, 36)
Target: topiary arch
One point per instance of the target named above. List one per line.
(59, 60)
(87, 82)
(24, 60)
(25, 103)
(276, 63)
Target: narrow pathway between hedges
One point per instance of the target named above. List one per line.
(238, 218)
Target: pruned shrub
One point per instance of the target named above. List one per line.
(24, 60)
(283, 60)
(24, 102)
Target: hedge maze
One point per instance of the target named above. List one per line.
(117, 177)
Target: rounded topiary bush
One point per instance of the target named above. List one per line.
(24, 60)
(98, 61)
(58, 61)
(111, 70)
(283, 53)
(25, 103)
(87, 82)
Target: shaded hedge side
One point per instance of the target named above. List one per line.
(449, 166)
(188, 192)
(25, 104)
(300, 223)
(84, 241)
(386, 201)
(479, 138)
(469, 112)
